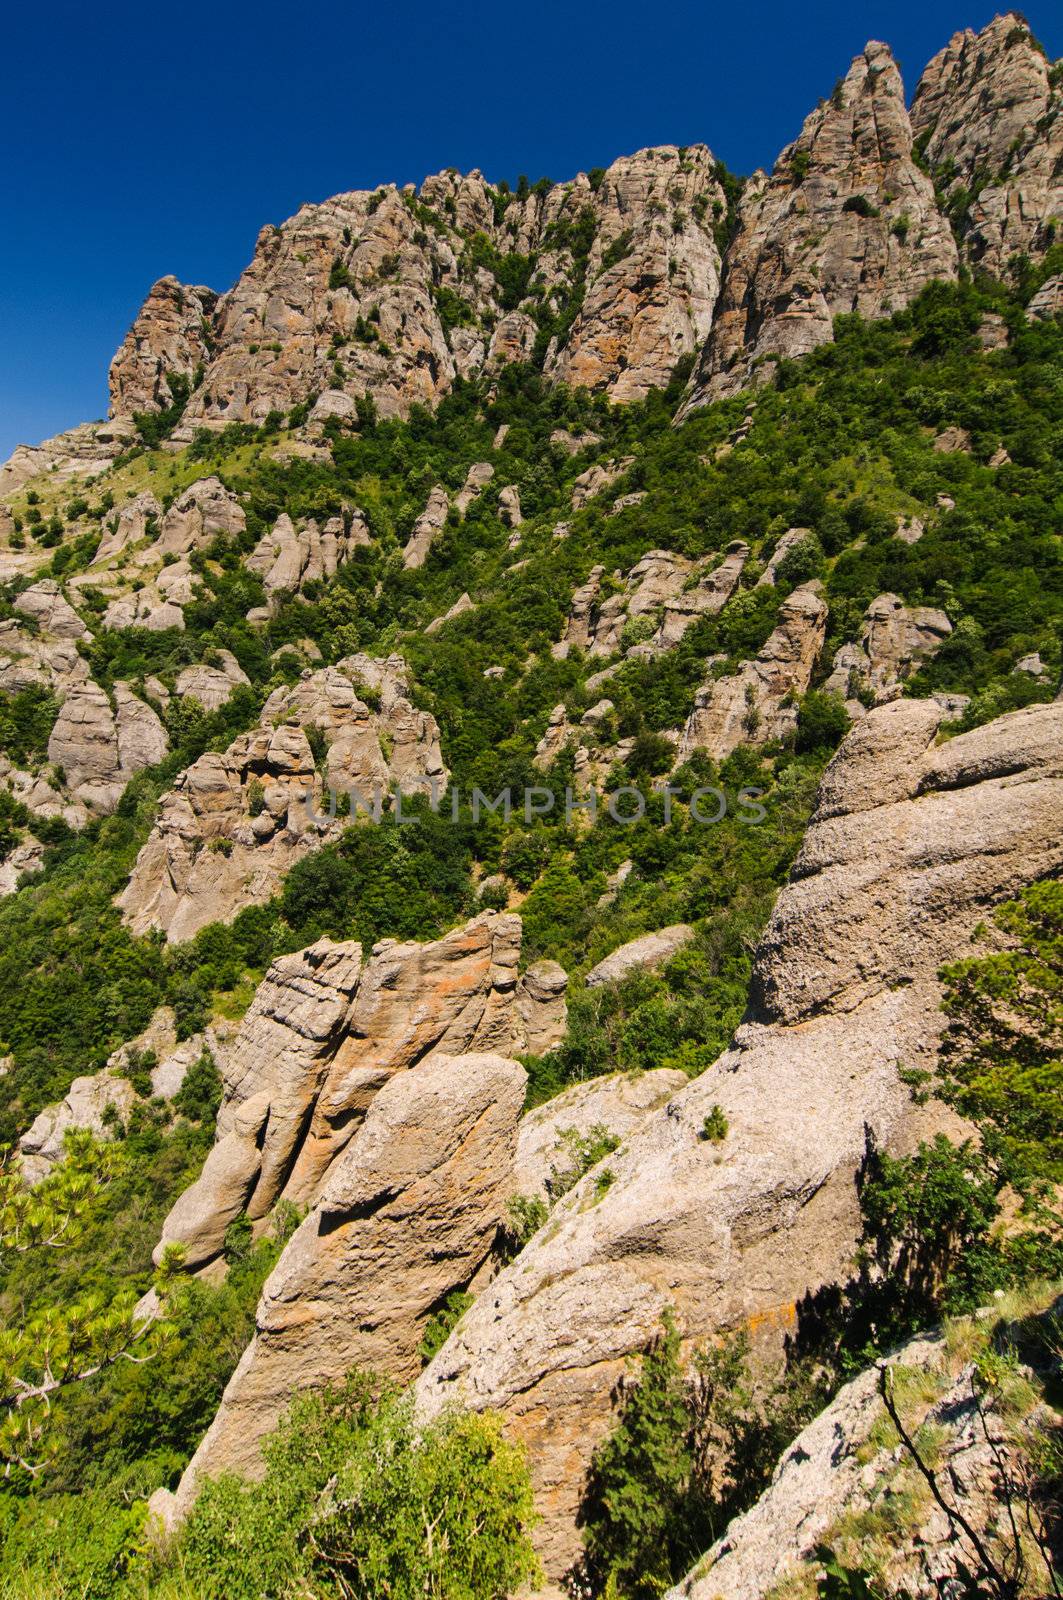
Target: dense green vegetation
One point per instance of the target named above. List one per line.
(843, 445)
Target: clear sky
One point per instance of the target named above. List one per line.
(144, 139)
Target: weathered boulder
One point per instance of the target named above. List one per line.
(895, 640)
(909, 846)
(408, 1213)
(212, 683)
(705, 598)
(26, 858)
(90, 1103)
(46, 605)
(99, 749)
(426, 529)
(760, 700)
(237, 820)
(650, 950)
(847, 222)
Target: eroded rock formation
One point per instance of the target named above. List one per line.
(846, 222)
(327, 1029)
(986, 112)
(236, 821)
(408, 1213)
(910, 844)
(759, 701)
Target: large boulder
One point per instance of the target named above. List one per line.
(911, 844)
(409, 1213)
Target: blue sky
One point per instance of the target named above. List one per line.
(143, 139)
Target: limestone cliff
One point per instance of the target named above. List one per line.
(846, 222)
(395, 293)
(988, 115)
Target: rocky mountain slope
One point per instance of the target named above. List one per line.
(504, 736)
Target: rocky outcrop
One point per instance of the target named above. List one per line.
(650, 950)
(426, 529)
(847, 222)
(150, 550)
(910, 844)
(326, 1030)
(24, 860)
(354, 296)
(990, 124)
(759, 701)
(653, 272)
(77, 456)
(408, 1213)
(618, 1103)
(844, 1465)
(598, 477)
(91, 1104)
(896, 639)
(133, 523)
(98, 749)
(46, 605)
(658, 582)
(171, 335)
(211, 684)
(287, 559)
(237, 820)
(458, 609)
(705, 598)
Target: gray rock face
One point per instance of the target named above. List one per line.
(212, 685)
(326, 1031)
(86, 1103)
(426, 529)
(170, 335)
(986, 104)
(236, 821)
(895, 640)
(909, 846)
(836, 1468)
(846, 222)
(46, 605)
(705, 599)
(759, 701)
(99, 749)
(619, 1103)
(651, 950)
(409, 1212)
